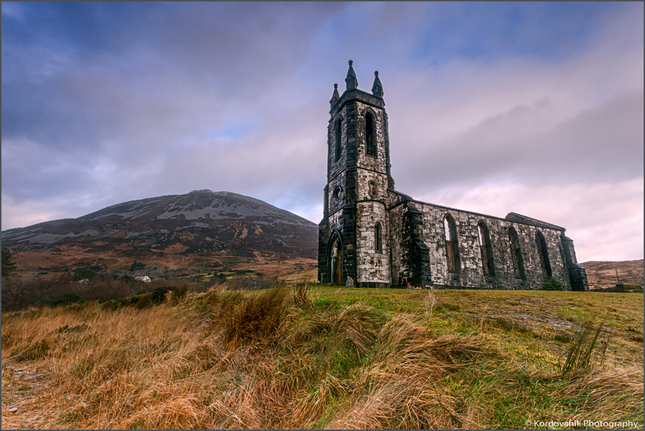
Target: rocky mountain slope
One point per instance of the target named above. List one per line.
(198, 228)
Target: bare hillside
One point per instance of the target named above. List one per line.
(602, 274)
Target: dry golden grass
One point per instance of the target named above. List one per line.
(315, 358)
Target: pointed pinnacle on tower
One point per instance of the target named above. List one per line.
(377, 88)
(351, 80)
(335, 96)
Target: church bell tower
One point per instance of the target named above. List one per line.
(353, 243)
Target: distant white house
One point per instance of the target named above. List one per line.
(143, 278)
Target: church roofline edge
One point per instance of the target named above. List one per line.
(513, 216)
(536, 223)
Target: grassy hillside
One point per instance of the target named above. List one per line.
(326, 357)
(604, 274)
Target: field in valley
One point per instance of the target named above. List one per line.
(327, 357)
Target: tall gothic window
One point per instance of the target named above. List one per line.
(486, 249)
(544, 254)
(452, 247)
(378, 238)
(370, 135)
(339, 134)
(516, 253)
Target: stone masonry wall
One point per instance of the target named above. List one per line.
(335, 167)
(378, 163)
(373, 267)
(471, 273)
(398, 256)
(336, 198)
(410, 260)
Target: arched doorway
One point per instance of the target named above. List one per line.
(336, 261)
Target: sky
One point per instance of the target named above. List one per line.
(534, 108)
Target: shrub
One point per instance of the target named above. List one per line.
(8, 267)
(178, 293)
(144, 300)
(552, 284)
(137, 266)
(159, 295)
(63, 299)
(128, 278)
(110, 305)
(83, 273)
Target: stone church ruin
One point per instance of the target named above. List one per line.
(374, 236)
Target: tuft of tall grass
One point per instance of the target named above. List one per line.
(257, 317)
(616, 394)
(578, 358)
(429, 302)
(357, 323)
(401, 385)
(301, 294)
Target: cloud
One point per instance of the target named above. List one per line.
(528, 144)
(603, 219)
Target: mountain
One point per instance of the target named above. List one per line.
(201, 228)
(606, 274)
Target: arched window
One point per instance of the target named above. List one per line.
(339, 134)
(486, 249)
(544, 254)
(452, 246)
(516, 253)
(378, 238)
(370, 135)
